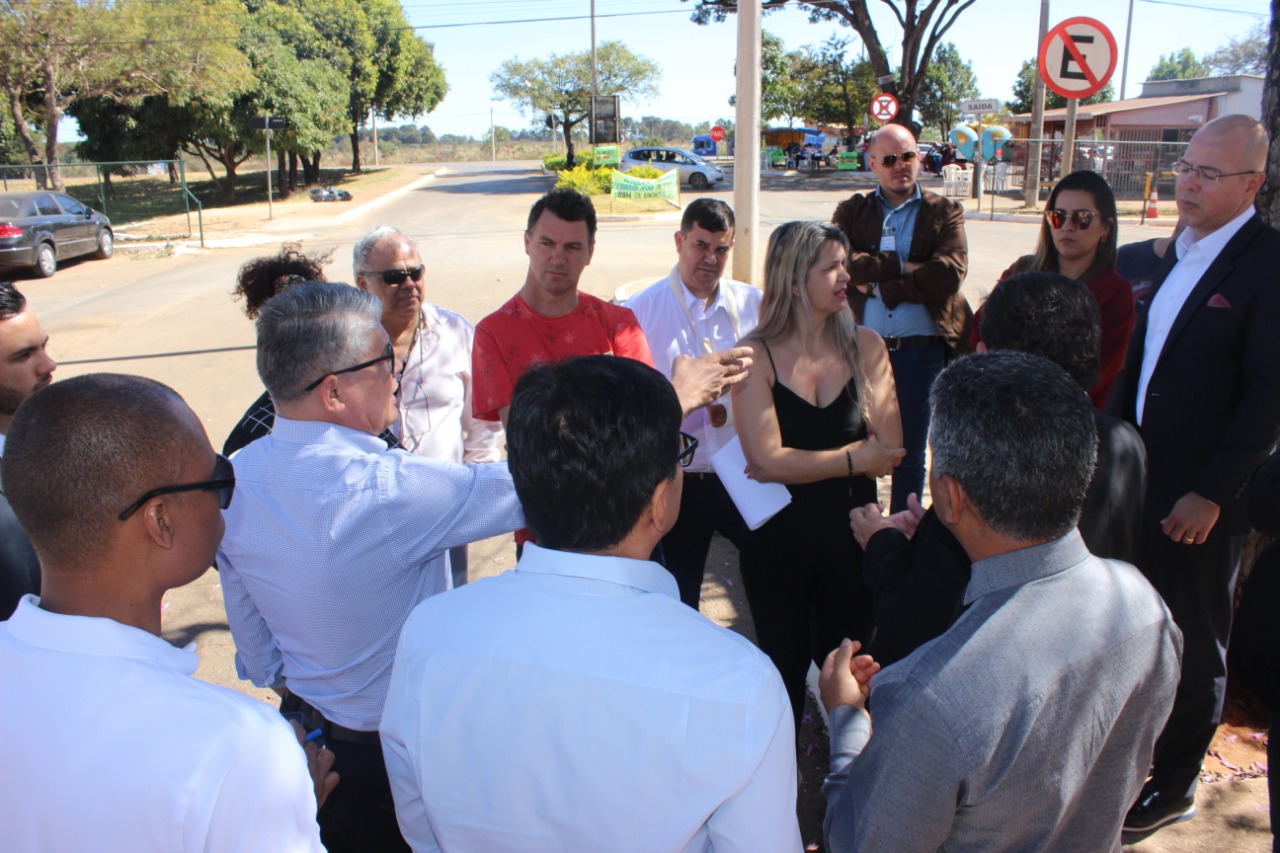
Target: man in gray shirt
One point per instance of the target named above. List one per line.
(1027, 725)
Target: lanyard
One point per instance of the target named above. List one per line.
(729, 305)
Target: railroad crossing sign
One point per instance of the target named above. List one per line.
(884, 107)
(1077, 57)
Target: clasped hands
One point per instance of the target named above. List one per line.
(867, 521)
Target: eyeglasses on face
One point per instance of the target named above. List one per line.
(1058, 217)
(906, 156)
(388, 356)
(396, 278)
(223, 482)
(688, 444)
(1182, 168)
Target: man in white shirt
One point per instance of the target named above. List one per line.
(333, 538)
(1202, 384)
(695, 310)
(25, 367)
(574, 703)
(106, 740)
(433, 358)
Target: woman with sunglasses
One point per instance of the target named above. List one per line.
(818, 413)
(1078, 239)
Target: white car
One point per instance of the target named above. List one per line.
(694, 170)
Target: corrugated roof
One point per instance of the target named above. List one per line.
(1095, 110)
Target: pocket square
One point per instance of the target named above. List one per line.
(1218, 301)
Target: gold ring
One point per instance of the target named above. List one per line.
(1189, 540)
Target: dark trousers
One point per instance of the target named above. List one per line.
(359, 816)
(803, 576)
(1197, 583)
(913, 373)
(705, 509)
(458, 565)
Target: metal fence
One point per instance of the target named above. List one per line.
(148, 199)
(1125, 163)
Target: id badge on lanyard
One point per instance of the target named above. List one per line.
(888, 243)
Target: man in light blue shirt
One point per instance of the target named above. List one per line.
(1028, 724)
(575, 703)
(334, 538)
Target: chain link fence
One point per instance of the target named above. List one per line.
(1125, 163)
(148, 200)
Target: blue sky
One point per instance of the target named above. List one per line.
(697, 62)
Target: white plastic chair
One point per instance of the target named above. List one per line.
(950, 177)
(1000, 183)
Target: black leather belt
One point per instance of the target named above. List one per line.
(701, 475)
(293, 703)
(913, 342)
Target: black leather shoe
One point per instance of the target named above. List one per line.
(1153, 810)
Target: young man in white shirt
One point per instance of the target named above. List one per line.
(106, 740)
(693, 311)
(574, 703)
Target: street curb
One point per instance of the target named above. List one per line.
(383, 199)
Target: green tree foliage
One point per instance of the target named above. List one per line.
(836, 88)
(950, 80)
(781, 92)
(1024, 89)
(56, 53)
(1246, 55)
(1179, 65)
(560, 86)
(923, 23)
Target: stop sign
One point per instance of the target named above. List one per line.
(717, 133)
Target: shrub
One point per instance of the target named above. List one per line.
(587, 179)
(649, 173)
(553, 162)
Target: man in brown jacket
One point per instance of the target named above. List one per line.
(907, 259)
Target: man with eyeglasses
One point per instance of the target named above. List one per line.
(575, 703)
(433, 356)
(25, 367)
(106, 740)
(333, 538)
(908, 258)
(1202, 384)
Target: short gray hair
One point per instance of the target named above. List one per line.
(364, 247)
(1019, 435)
(310, 330)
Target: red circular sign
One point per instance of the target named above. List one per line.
(717, 134)
(884, 107)
(1077, 57)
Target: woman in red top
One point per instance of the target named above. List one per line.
(1078, 239)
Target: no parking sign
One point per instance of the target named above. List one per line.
(884, 107)
(1077, 57)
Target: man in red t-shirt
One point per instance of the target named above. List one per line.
(549, 320)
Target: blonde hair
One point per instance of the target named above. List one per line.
(794, 248)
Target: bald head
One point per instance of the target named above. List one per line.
(1245, 134)
(898, 178)
(82, 450)
(1232, 151)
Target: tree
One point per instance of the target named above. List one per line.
(835, 88)
(560, 86)
(1024, 89)
(1247, 55)
(781, 92)
(54, 53)
(923, 24)
(1268, 200)
(1181, 65)
(950, 80)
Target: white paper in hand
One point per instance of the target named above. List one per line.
(758, 502)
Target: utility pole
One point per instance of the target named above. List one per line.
(1031, 183)
(493, 140)
(1124, 70)
(595, 80)
(746, 151)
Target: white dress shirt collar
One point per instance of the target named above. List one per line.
(96, 636)
(690, 299)
(642, 575)
(1215, 241)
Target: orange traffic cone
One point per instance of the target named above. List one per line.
(1152, 212)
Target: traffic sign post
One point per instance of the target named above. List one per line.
(717, 134)
(267, 124)
(884, 107)
(977, 107)
(1076, 60)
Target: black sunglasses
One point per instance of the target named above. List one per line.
(397, 277)
(223, 482)
(906, 157)
(1058, 217)
(688, 444)
(389, 355)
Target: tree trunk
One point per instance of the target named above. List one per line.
(313, 167)
(173, 174)
(1268, 200)
(355, 147)
(282, 185)
(28, 141)
(569, 160)
(53, 115)
(293, 171)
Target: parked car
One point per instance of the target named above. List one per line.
(694, 171)
(39, 229)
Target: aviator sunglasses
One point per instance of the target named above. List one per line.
(1058, 217)
(397, 277)
(906, 156)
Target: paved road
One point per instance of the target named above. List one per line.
(172, 318)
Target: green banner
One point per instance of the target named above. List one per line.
(608, 155)
(627, 188)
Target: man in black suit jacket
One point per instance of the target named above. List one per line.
(1202, 383)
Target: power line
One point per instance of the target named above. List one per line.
(1206, 8)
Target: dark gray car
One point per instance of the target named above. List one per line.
(39, 229)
